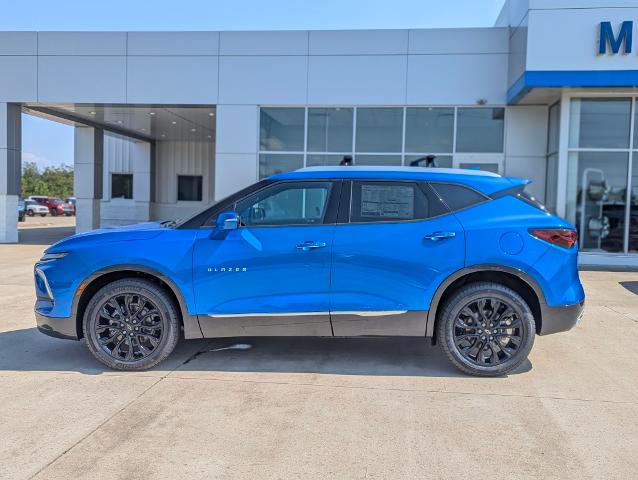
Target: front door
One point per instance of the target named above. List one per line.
(399, 244)
(270, 276)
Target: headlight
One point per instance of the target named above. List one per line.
(47, 257)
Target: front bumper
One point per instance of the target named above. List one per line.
(560, 319)
(58, 327)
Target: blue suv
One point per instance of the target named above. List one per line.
(464, 257)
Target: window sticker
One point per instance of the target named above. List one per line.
(387, 201)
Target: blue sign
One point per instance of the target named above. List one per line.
(607, 37)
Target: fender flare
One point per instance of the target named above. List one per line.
(436, 299)
(191, 322)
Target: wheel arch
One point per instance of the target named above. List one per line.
(90, 285)
(519, 281)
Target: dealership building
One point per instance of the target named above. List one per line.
(167, 123)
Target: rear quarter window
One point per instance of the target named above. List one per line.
(458, 197)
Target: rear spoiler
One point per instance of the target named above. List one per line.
(517, 186)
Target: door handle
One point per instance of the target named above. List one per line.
(310, 245)
(436, 236)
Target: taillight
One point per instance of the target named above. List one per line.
(563, 237)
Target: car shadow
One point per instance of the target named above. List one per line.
(631, 286)
(43, 235)
(29, 350)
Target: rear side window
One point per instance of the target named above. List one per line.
(392, 202)
(457, 196)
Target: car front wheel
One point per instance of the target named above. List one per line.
(131, 324)
(486, 329)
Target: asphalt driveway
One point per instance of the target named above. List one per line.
(317, 408)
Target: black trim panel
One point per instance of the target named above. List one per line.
(404, 324)
(560, 319)
(434, 305)
(191, 323)
(63, 327)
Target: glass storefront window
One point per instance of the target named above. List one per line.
(379, 130)
(330, 129)
(442, 161)
(281, 129)
(633, 219)
(599, 123)
(553, 128)
(378, 160)
(429, 130)
(273, 163)
(487, 167)
(480, 130)
(315, 160)
(596, 199)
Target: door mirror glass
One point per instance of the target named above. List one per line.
(227, 221)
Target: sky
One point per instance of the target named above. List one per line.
(49, 144)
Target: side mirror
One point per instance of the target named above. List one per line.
(227, 221)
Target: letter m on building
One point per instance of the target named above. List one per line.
(607, 37)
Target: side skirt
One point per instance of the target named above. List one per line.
(316, 324)
(406, 323)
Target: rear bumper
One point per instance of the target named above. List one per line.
(58, 327)
(560, 319)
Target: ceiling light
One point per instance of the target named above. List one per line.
(210, 136)
(142, 129)
(119, 121)
(174, 122)
(211, 114)
(151, 113)
(193, 129)
(92, 113)
(163, 135)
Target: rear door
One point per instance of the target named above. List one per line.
(396, 245)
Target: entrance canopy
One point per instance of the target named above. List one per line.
(194, 123)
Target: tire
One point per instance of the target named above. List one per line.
(30, 213)
(477, 347)
(105, 331)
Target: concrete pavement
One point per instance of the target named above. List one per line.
(318, 408)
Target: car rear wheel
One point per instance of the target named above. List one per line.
(30, 213)
(131, 324)
(486, 329)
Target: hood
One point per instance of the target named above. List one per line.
(127, 233)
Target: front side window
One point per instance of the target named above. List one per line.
(380, 201)
(302, 203)
(122, 185)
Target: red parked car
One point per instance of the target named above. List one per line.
(58, 207)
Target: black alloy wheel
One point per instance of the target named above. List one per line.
(486, 329)
(131, 324)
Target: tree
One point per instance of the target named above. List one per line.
(53, 181)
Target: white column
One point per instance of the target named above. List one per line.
(236, 148)
(87, 176)
(563, 157)
(10, 170)
(141, 161)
